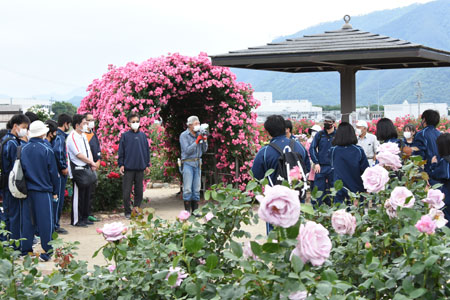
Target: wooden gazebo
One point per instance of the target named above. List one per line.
(346, 50)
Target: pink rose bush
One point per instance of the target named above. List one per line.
(375, 179)
(313, 245)
(435, 199)
(426, 225)
(343, 222)
(113, 231)
(166, 89)
(279, 206)
(183, 215)
(398, 199)
(180, 273)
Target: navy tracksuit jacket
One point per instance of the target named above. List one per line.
(426, 142)
(134, 151)
(60, 151)
(440, 172)
(41, 175)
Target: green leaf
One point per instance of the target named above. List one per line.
(417, 293)
(251, 186)
(191, 289)
(175, 261)
(271, 247)
(329, 275)
(292, 232)
(269, 172)
(399, 296)
(195, 244)
(236, 248)
(446, 230)
(173, 278)
(417, 268)
(207, 195)
(369, 257)
(407, 285)
(297, 263)
(160, 275)
(324, 288)
(307, 208)
(256, 248)
(338, 185)
(212, 261)
(217, 273)
(431, 260)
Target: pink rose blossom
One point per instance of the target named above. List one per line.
(181, 275)
(113, 231)
(111, 268)
(201, 261)
(279, 206)
(299, 295)
(435, 199)
(99, 231)
(398, 199)
(314, 245)
(375, 179)
(209, 216)
(295, 173)
(389, 147)
(343, 222)
(183, 215)
(387, 159)
(426, 225)
(438, 217)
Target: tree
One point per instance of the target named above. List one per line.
(63, 107)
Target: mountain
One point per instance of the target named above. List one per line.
(427, 24)
(73, 97)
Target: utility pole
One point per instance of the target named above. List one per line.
(419, 95)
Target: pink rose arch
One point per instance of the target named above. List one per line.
(167, 90)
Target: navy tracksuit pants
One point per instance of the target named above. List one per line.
(12, 207)
(58, 206)
(324, 181)
(38, 207)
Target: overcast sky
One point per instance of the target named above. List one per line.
(62, 45)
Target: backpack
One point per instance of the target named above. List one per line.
(286, 162)
(3, 177)
(17, 183)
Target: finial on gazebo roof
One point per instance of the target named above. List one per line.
(347, 25)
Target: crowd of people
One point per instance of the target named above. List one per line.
(51, 152)
(343, 152)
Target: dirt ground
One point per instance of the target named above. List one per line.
(164, 201)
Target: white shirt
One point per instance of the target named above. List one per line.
(369, 144)
(76, 144)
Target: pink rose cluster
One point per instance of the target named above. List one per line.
(435, 199)
(343, 222)
(158, 90)
(426, 225)
(398, 198)
(388, 156)
(183, 215)
(375, 179)
(280, 206)
(113, 231)
(314, 244)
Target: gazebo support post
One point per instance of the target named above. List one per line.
(348, 92)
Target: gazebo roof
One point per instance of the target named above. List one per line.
(332, 50)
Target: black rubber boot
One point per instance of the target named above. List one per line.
(187, 205)
(194, 206)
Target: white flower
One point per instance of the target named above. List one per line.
(438, 217)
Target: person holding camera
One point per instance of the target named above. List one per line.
(193, 142)
(134, 159)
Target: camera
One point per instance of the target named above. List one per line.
(203, 129)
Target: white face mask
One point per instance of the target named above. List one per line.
(135, 126)
(358, 132)
(91, 124)
(196, 127)
(22, 132)
(85, 128)
(407, 135)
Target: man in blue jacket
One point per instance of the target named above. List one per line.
(42, 178)
(267, 157)
(60, 150)
(319, 155)
(19, 128)
(134, 158)
(426, 138)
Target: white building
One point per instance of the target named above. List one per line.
(393, 111)
(292, 109)
(26, 103)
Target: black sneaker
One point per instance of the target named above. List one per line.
(61, 230)
(80, 224)
(44, 257)
(87, 222)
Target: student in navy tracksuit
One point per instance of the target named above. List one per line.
(134, 158)
(409, 131)
(348, 161)
(19, 128)
(41, 175)
(319, 155)
(387, 133)
(289, 128)
(267, 157)
(440, 170)
(426, 138)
